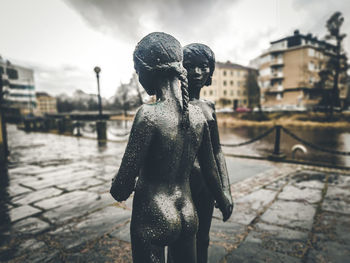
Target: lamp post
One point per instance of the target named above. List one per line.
(97, 71)
(101, 126)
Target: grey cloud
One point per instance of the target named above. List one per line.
(126, 18)
(64, 79)
(318, 13)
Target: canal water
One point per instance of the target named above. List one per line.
(331, 139)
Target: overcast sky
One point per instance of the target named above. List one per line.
(64, 39)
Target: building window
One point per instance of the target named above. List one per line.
(224, 83)
(231, 73)
(204, 93)
(210, 92)
(12, 73)
(231, 83)
(238, 73)
(225, 92)
(311, 52)
(244, 92)
(231, 93)
(224, 73)
(244, 102)
(238, 92)
(311, 66)
(238, 83)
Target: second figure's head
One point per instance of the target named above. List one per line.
(199, 61)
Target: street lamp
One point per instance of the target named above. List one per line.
(97, 71)
(101, 126)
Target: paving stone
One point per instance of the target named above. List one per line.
(216, 253)
(280, 239)
(100, 189)
(291, 214)
(277, 185)
(250, 252)
(257, 199)
(337, 193)
(282, 232)
(249, 206)
(60, 178)
(71, 205)
(303, 176)
(15, 189)
(93, 226)
(340, 181)
(80, 184)
(337, 206)
(36, 196)
(31, 225)
(122, 233)
(68, 199)
(27, 169)
(310, 184)
(334, 227)
(31, 244)
(294, 193)
(23, 212)
(226, 232)
(329, 252)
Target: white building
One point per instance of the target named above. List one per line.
(18, 87)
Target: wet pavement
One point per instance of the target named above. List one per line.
(55, 207)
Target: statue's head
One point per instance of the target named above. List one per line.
(157, 54)
(199, 61)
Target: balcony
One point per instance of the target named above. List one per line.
(277, 75)
(276, 62)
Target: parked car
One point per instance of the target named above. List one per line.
(243, 109)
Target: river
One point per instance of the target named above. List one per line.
(330, 138)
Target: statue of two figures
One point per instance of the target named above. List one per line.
(173, 160)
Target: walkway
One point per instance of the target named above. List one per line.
(56, 208)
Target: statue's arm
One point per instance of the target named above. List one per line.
(210, 173)
(219, 156)
(123, 182)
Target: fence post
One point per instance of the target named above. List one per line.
(277, 154)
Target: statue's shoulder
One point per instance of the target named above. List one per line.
(209, 103)
(145, 114)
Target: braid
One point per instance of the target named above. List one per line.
(185, 100)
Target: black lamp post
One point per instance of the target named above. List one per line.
(97, 71)
(101, 126)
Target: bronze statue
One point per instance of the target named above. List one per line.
(164, 141)
(199, 61)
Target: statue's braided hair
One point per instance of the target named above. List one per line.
(162, 53)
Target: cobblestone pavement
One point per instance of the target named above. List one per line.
(55, 207)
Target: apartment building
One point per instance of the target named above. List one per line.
(46, 103)
(289, 69)
(18, 88)
(228, 88)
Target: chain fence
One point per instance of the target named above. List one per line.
(311, 145)
(257, 138)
